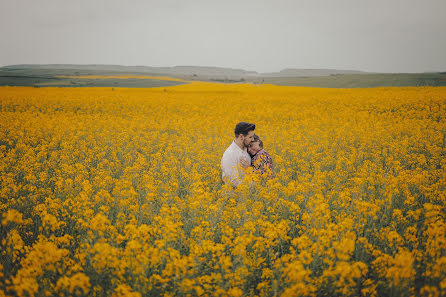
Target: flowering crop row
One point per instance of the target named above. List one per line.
(118, 192)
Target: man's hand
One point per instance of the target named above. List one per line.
(244, 162)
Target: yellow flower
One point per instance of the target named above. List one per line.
(12, 215)
(119, 191)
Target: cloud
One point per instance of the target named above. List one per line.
(260, 35)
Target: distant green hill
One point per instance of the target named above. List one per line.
(36, 76)
(46, 75)
(359, 80)
(176, 70)
(309, 72)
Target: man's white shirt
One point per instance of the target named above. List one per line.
(230, 163)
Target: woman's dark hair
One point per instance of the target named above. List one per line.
(243, 128)
(257, 138)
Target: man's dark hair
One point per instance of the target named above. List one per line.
(257, 138)
(243, 128)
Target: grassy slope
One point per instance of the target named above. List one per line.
(360, 80)
(48, 78)
(41, 77)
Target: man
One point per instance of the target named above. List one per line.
(261, 160)
(236, 158)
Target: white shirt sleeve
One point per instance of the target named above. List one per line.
(230, 171)
(231, 166)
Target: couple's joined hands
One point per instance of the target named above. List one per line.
(245, 162)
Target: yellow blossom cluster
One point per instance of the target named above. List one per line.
(118, 192)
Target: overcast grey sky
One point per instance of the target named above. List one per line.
(258, 35)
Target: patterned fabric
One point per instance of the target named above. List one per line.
(262, 162)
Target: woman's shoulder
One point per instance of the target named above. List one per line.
(265, 155)
(263, 152)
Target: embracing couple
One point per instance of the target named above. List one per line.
(245, 151)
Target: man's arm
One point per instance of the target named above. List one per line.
(229, 166)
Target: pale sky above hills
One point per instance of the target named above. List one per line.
(257, 35)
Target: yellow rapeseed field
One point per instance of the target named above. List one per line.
(118, 192)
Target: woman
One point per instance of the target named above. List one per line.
(260, 159)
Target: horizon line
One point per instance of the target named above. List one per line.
(222, 67)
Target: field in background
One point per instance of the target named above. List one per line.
(69, 78)
(118, 191)
(360, 80)
(65, 77)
